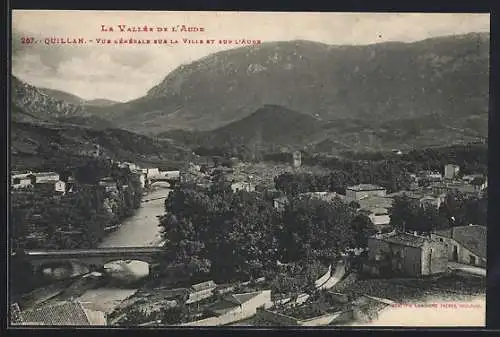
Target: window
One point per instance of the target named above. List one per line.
(441, 239)
(16, 181)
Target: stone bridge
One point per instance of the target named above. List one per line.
(93, 258)
(171, 181)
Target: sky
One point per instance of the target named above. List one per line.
(126, 72)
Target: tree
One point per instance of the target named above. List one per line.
(403, 212)
(360, 226)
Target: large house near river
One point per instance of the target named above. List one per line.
(406, 254)
(465, 244)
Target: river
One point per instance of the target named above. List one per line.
(139, 230)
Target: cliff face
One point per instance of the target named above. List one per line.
(36, 102)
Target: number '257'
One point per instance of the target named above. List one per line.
(27, 40)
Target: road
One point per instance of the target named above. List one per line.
(467, 268)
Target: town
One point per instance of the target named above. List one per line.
(387, 247)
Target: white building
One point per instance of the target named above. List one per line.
(41, 177)
(451, 171)
(21, 179)
(242, 186)
(174, 175)
(357, 192)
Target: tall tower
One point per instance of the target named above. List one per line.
(97, 150)
(297, 159)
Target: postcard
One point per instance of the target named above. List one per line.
(248, 169)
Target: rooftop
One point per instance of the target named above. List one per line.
(374, 202)
(472, 237)
(204, 285)
(45, 174)
(365, 187)
(404, 239)
(63, 313)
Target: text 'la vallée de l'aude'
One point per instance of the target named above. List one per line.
(146, 28)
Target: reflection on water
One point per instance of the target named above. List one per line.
(142, 228)
(139, 230)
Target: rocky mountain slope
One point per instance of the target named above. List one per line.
(445, 76)
(40, 105)
(49, 146)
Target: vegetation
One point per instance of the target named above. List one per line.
(456, 210)
(49, 219)
(235, 236)
(55, 147)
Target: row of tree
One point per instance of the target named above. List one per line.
(384, 174)
(47, 219)
(239, 235)
(457, 209)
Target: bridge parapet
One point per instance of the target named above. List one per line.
(91, 257)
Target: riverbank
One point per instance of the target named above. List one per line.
(105, 292)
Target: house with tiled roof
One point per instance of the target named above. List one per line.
(235, 307)
(465, 244)
(408, 254)
(62, 313)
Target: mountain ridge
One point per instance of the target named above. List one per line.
(386, 80)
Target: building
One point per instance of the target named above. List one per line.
(201, 291)
(234, 308)
(431, 176)
(52, 185)
(354, 193)
(242, 186)
(471, 177)
(451, 171)
(62, 313)
(246, 302)
(431, 201)
(152, 172)
(297, 159)
(379, 217)
(21, 179)
(407, 254)
(465, 244)
(109, 184)
(173, 175)
(44, 176)
(445, 187)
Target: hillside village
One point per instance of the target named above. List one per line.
(456, 253)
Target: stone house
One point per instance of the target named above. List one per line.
(464, 244)
(405, 253)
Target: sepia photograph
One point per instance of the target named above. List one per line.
(248, 169)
